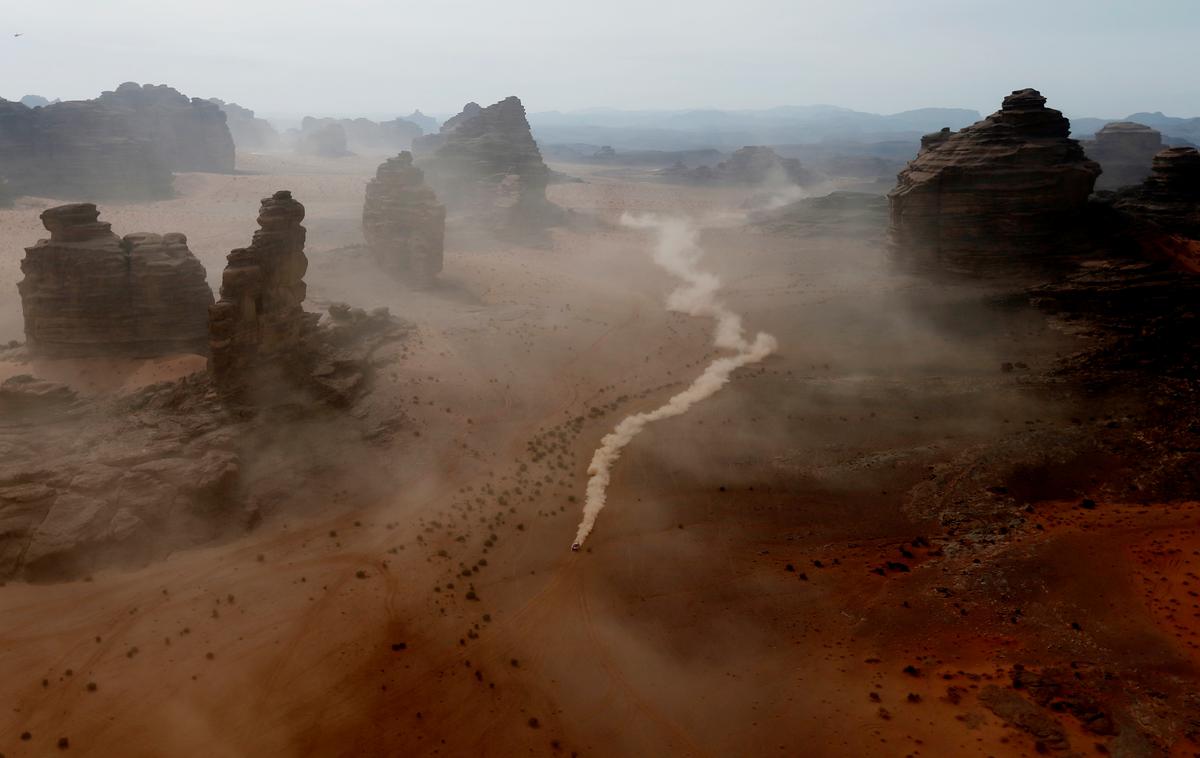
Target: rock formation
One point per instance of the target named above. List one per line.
(249, 132)
(486, 160)
(88, 292)
(359, 135)
(189, 134)
(34, 101)
(1013, 186)
(403, 222)
(750, 165)
(1124, 151)
(1170, 197)
(130, 482)
(325, 138)
(259, 323)
(861, 213)
(428, 124)
(80, 150)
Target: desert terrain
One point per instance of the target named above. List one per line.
(769, 577)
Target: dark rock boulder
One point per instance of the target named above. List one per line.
(88, 292)
(1007, 191)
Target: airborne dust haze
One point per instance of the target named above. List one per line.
(678, 253)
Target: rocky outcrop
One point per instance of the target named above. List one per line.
(84, 150)
(88, 292)
(1170, 196)
(189, 134)
(249, 132)
(1012, 188)
(403, 222)
(750, 165)
(257, 327)
(318, 136)
(89, 483)
(322, 138)
(1124, 151)
(485, 160)
(34, 101)
(428, 124)
(863, 214)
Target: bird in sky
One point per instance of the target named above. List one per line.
(19, 34)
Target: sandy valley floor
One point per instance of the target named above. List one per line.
(728, 602)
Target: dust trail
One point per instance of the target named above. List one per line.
(678, 253)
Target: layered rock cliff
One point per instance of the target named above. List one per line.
(1010, 189)
(248, 131)
(486, 160)
(1124, 151)
(190, 134)
(257, 327)
(1170, 196)
(80, 150)
(87, 292)
(403, 222)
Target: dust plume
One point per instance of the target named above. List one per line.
(678, 253)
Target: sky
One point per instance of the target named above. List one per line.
(383, 58)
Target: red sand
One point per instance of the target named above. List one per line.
(679, 629)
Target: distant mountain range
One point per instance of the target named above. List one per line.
(716, 129)
(701, 129)
(725, 129)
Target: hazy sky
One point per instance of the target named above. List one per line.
(380, 57)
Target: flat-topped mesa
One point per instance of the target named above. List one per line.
(403, 222)
(1007, 191)
(87, 292)
(259, 322)
(80, 150)
(189, 134)
(485, 159)
(1125, 151)
(1170, 196)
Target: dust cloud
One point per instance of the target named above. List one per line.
(677, 252)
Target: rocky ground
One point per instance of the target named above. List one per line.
(936, 523)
